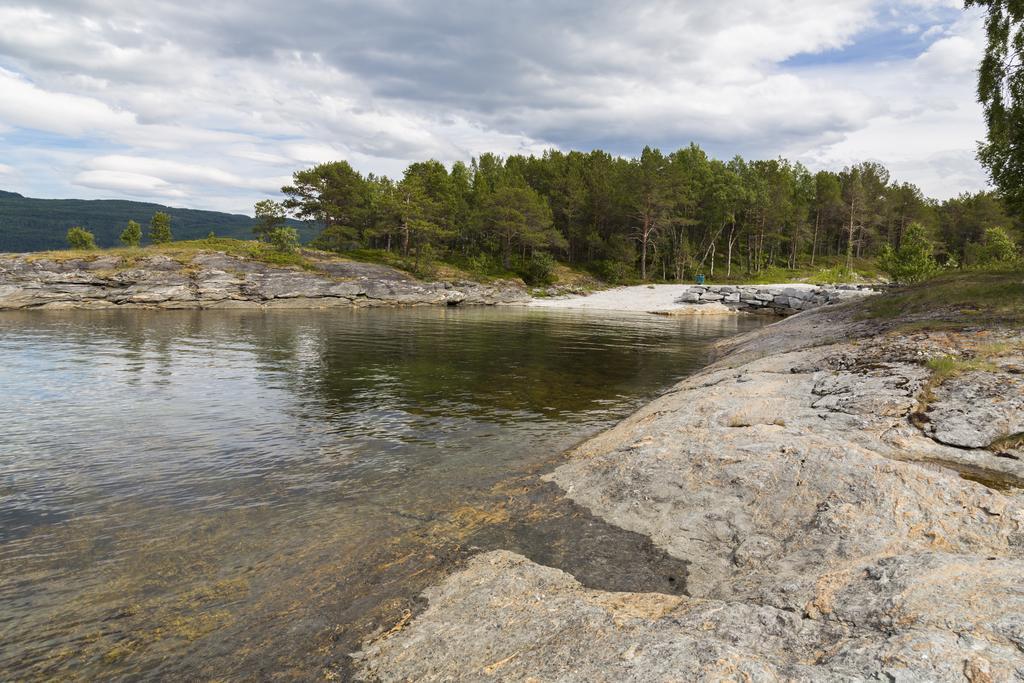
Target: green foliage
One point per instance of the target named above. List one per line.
(338, 238)
(997, 249)
(613, 272)
(913, 261)
(270, 216)
(285, 240)
(660, 216)
(830, 276)
(80, 238)
(330, 194)
(964, 219)
(537, 269)
(1001, 93)
(160, 228)
(131, 236)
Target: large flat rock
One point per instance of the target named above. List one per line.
(828, 534)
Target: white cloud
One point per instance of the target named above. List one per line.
(220, 103)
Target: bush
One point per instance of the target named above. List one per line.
(913, 261)
(613, 272)
(285, 240)
(997, 248)
(538, 269)
(131, 236)
(424, 265)
(830, 276)
(80, 238)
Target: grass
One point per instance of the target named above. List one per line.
(184, 251)
(828, 270)
(954, 301)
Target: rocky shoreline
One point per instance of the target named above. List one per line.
(217, 280)
(844, 512)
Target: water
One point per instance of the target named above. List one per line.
(241, 495)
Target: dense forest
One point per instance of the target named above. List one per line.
(28, 224)
(659, 216)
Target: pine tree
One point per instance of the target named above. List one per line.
(131, 236)
(160, 228)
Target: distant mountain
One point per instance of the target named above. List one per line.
(28, 224)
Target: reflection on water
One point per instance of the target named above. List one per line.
(242, 494)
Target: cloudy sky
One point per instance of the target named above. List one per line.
(214, 104)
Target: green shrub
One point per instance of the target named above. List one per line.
(913, 261)
(424, 266)
(131, 236)
(285, 240)
(80, 238)
(613, 272)
(996, 248)
(830, 276)
(538, 269)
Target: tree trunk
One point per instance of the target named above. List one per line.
(814, 243)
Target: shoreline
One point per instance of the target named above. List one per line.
(771, 299)
(217, 280)
(829, 531)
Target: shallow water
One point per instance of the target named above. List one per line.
(241, 495)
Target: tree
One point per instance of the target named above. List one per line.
(651, 200)
(270, 216)
(516, 219)
(913, 261)
(131, 236)
(331, 194)
(1001, 93)
(426, 203)
(285, 240)
(828, 201)
(160, 228)
(80, 238)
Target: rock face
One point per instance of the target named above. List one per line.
(774, 299)
(217, 280)
(827, 535)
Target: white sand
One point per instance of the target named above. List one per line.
(642, 298)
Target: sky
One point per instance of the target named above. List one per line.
(214, 105)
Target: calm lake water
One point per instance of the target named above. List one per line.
(243, 495)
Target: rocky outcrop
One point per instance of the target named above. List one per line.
(772, 299)
(217, 280)
(832, 527)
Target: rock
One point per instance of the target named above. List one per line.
(827, 537)
(976, 409)
(215, 280)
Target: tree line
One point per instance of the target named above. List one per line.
(656, 216)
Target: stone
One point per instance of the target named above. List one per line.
(213, 278)
(827, 536)
(976, 409)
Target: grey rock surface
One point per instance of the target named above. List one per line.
(219, 280)
(978, 408)
(778, 299)
(827, 535)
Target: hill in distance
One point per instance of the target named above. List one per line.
(28, 224)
